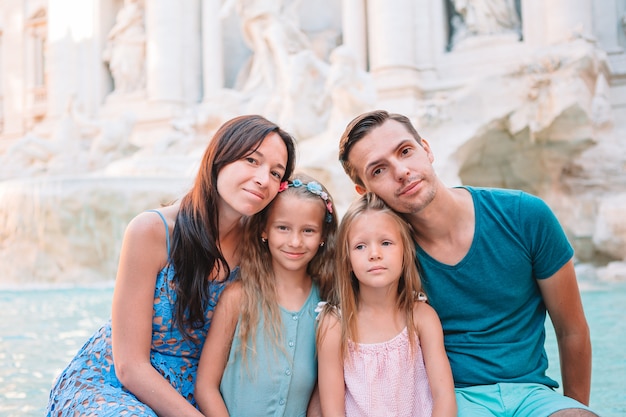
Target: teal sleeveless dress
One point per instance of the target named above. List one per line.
(89, 386)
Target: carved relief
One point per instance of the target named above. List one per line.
(482, 18)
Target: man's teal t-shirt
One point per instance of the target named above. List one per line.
(489, 303)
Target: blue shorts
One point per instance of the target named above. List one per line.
(512, 400)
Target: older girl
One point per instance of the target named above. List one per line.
(259, 359)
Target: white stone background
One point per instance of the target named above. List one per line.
(84, 148)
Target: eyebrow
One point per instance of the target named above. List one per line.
(378, 161)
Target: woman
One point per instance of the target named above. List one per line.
(174, 264)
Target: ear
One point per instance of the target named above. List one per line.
(429, 152)
(359, 189)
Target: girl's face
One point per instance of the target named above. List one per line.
(294, 231)
(248, 185)
(376, 250)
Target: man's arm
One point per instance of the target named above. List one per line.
(562, 299)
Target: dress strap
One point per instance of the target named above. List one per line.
(167, 232)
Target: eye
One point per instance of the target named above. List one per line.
(407, 150)
(251, 160)
(360, 246)
(278, 175)
(376, 172)
(387, 243)
(281, 227)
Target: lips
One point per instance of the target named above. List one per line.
(293, 255)
(257, 194)
(376, 269)
(412, 186)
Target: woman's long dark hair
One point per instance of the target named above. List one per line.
(196, 254)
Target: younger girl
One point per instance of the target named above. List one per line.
(381, 347)
(259, 357)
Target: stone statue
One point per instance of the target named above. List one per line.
(474, 18)
(351, 90)
(300, 111)
(125, 51)
(112, 141)
(271, 30)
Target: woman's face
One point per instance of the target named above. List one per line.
(247, 185)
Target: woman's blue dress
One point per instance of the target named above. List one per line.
(89, 386)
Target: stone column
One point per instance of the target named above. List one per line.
(191, 48)
(212, 53)
(391, 35)
(392, 53)
(606, 25)
(172, 50)
(562, 20)
(429, 36)
(534, 22)
(61, 64)
(354, 24)
(13, 69)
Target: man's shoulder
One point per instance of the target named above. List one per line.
(494, 191)
(502, 196)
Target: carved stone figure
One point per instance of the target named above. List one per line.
(33, 154)
(126, 48)
(473, 18)
(270, 29)
(351, 90)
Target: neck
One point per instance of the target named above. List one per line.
(378, 298)
(293, 290)
(229, 240)
(451, 210)
(446, 230)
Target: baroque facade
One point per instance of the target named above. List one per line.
(105, 105)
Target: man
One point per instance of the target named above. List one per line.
(492, 262)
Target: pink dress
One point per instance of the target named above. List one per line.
(384, 379)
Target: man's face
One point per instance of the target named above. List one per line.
(395, 167)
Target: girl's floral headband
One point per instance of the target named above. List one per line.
(315, 188)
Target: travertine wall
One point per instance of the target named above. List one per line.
(106, 106)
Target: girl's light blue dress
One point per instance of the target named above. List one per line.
(277, 381)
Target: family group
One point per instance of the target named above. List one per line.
(250, 296)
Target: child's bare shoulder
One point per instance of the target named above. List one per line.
(329, 316)
(422, 311)
(232, 294)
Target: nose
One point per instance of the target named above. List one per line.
(262, 177)
(374, 253)
(401, 170)
(295, 239)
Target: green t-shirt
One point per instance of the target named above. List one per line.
(491, 310)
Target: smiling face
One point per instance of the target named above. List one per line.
(394, 166)
(294, 231)
(375, 248)
(247, 185)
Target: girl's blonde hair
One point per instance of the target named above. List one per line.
(256, 273)
(345, 292)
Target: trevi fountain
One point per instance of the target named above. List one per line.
(107, 105)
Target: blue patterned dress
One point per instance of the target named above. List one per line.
(89, 386)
